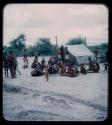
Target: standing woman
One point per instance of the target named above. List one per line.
(25, 59)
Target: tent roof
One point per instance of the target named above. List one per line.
(79, 50)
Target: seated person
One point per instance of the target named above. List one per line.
(93, 67)
(72, 71)
(34, 64)
(42, 66)
(76, 69)
(50, 61)
(52, 69)
(36, 58)
(82, 69)
(62, 68)
(37, 71)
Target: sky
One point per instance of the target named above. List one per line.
(49, 20)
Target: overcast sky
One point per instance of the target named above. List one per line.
(48, 20)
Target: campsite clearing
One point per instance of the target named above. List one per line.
(82, 98)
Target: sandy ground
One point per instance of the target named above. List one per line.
(27, 98)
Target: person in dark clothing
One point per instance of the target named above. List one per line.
(52, 70)
(93, 66)
(97, 64)
(51, 61)
(37, 70)
(82, 69)
(105, 66)
(43, 61)
(15, 65)
(90, 64)
(43, 64)
(5, 64)
(106, 62)
(62, 53)
(12, 65)
(72, 71)
(34, 64)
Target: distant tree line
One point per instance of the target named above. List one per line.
(44, 47)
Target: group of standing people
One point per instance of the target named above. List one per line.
(63, 54)
(10, 63)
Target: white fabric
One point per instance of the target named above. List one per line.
(79, 50)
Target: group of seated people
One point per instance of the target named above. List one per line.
(67, 69)
(59, 67)
(93, 66)
(38, 67)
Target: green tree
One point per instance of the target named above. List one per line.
(75, 41)
(44, 47)
(18, 44)
(30, 50)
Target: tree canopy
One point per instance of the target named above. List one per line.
(18, 44)
(75, 41)
(44, 47)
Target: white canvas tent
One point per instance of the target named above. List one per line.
(79, 53)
